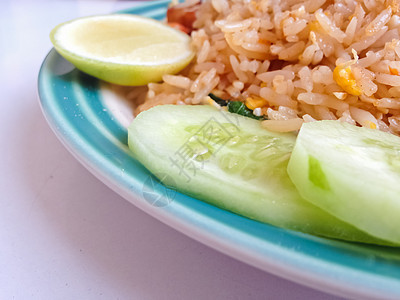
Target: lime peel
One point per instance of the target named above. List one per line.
(123, 49)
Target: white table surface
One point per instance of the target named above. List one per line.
(63, 233)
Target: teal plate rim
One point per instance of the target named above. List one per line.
(72, 105)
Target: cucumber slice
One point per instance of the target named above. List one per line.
(352, 173)
(230, 161)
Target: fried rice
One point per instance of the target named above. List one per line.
(294, 61)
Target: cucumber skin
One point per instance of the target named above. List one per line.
(157, 133)
(355, 194)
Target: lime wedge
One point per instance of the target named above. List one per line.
(123, 49)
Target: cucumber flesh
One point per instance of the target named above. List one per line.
(351, 172)
(232, 162)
